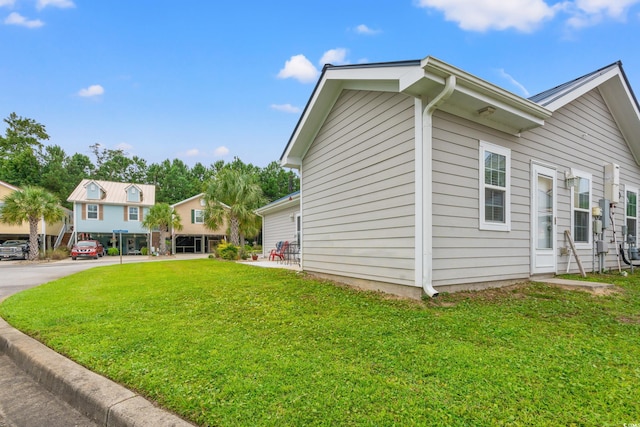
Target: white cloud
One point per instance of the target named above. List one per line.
(334, 56)
(363, 29)
(585, 13)
(514, 82)
(287, 108)
(300, 68)
(15, 18)
(221, 151)
(93, 90)
(526, 15)
(611, 8)
(194, 152)
(483, 15)
(7, 2)
(62, 4)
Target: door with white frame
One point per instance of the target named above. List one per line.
(543, 219)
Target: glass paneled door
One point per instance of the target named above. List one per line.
(543, 219)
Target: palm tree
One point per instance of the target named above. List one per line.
(162, 216)
(232, 195)
(31, 204)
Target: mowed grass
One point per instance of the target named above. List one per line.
(226, 344)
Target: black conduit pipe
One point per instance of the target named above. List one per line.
(624, 257)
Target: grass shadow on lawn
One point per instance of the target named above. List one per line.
(228, 344)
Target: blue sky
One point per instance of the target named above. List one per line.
(203, 81)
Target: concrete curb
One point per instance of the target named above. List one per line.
(96, 397)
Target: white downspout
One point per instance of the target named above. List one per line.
(424, 185)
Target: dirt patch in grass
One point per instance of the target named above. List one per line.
(630, 320)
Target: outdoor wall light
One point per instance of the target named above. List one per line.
(486, 111)
(570, 181)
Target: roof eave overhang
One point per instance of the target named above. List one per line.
(614, 87)
(506, 111)
(618, 96)
(187, 200)
(332, 82)
(421, 79)
(279, 205)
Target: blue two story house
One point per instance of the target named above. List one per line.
(101, 207)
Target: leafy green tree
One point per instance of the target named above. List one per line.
(21, 169)
(198, 176)
(163, 217)
(115, 165)
(241, 194)
(54, 173)
(79, 166)
(60, 174)
(21, 134)
(276, 182)
(173, 181)
(19, 148)
(31, 204)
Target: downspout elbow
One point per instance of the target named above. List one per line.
(449, 87)
(430, 291)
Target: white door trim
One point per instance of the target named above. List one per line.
(543, 220)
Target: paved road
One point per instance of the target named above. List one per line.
(23, 402)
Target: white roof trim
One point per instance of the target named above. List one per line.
(283, 203)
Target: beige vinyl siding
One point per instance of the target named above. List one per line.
(462, 253)
(278, 226)
(358, 190)
(583, 135)
(465, 254)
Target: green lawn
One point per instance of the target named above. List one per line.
(226, 344)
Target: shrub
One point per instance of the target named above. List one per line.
(144, 250)
(227, 251)
(59, 253)
(55, 254)
(113, 251)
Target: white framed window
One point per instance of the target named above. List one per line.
(92, 211)
(581, 195)
(198, 216)
(495, 187)
(134, 213)
(631, 213)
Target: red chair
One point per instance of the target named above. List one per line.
(279, 251)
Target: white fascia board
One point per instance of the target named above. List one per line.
(333, 82)
(317, 109)
(279, 205)
(516, 107)
(573, 93)
(481, 89)
(187, 200)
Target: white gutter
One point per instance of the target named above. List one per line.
(424, 185)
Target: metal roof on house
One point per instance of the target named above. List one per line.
(115, 193)
(280, 203)
(550, 95)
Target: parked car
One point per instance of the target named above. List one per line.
(14, 249)
(87, 248)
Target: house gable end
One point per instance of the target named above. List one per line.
(614, 87)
